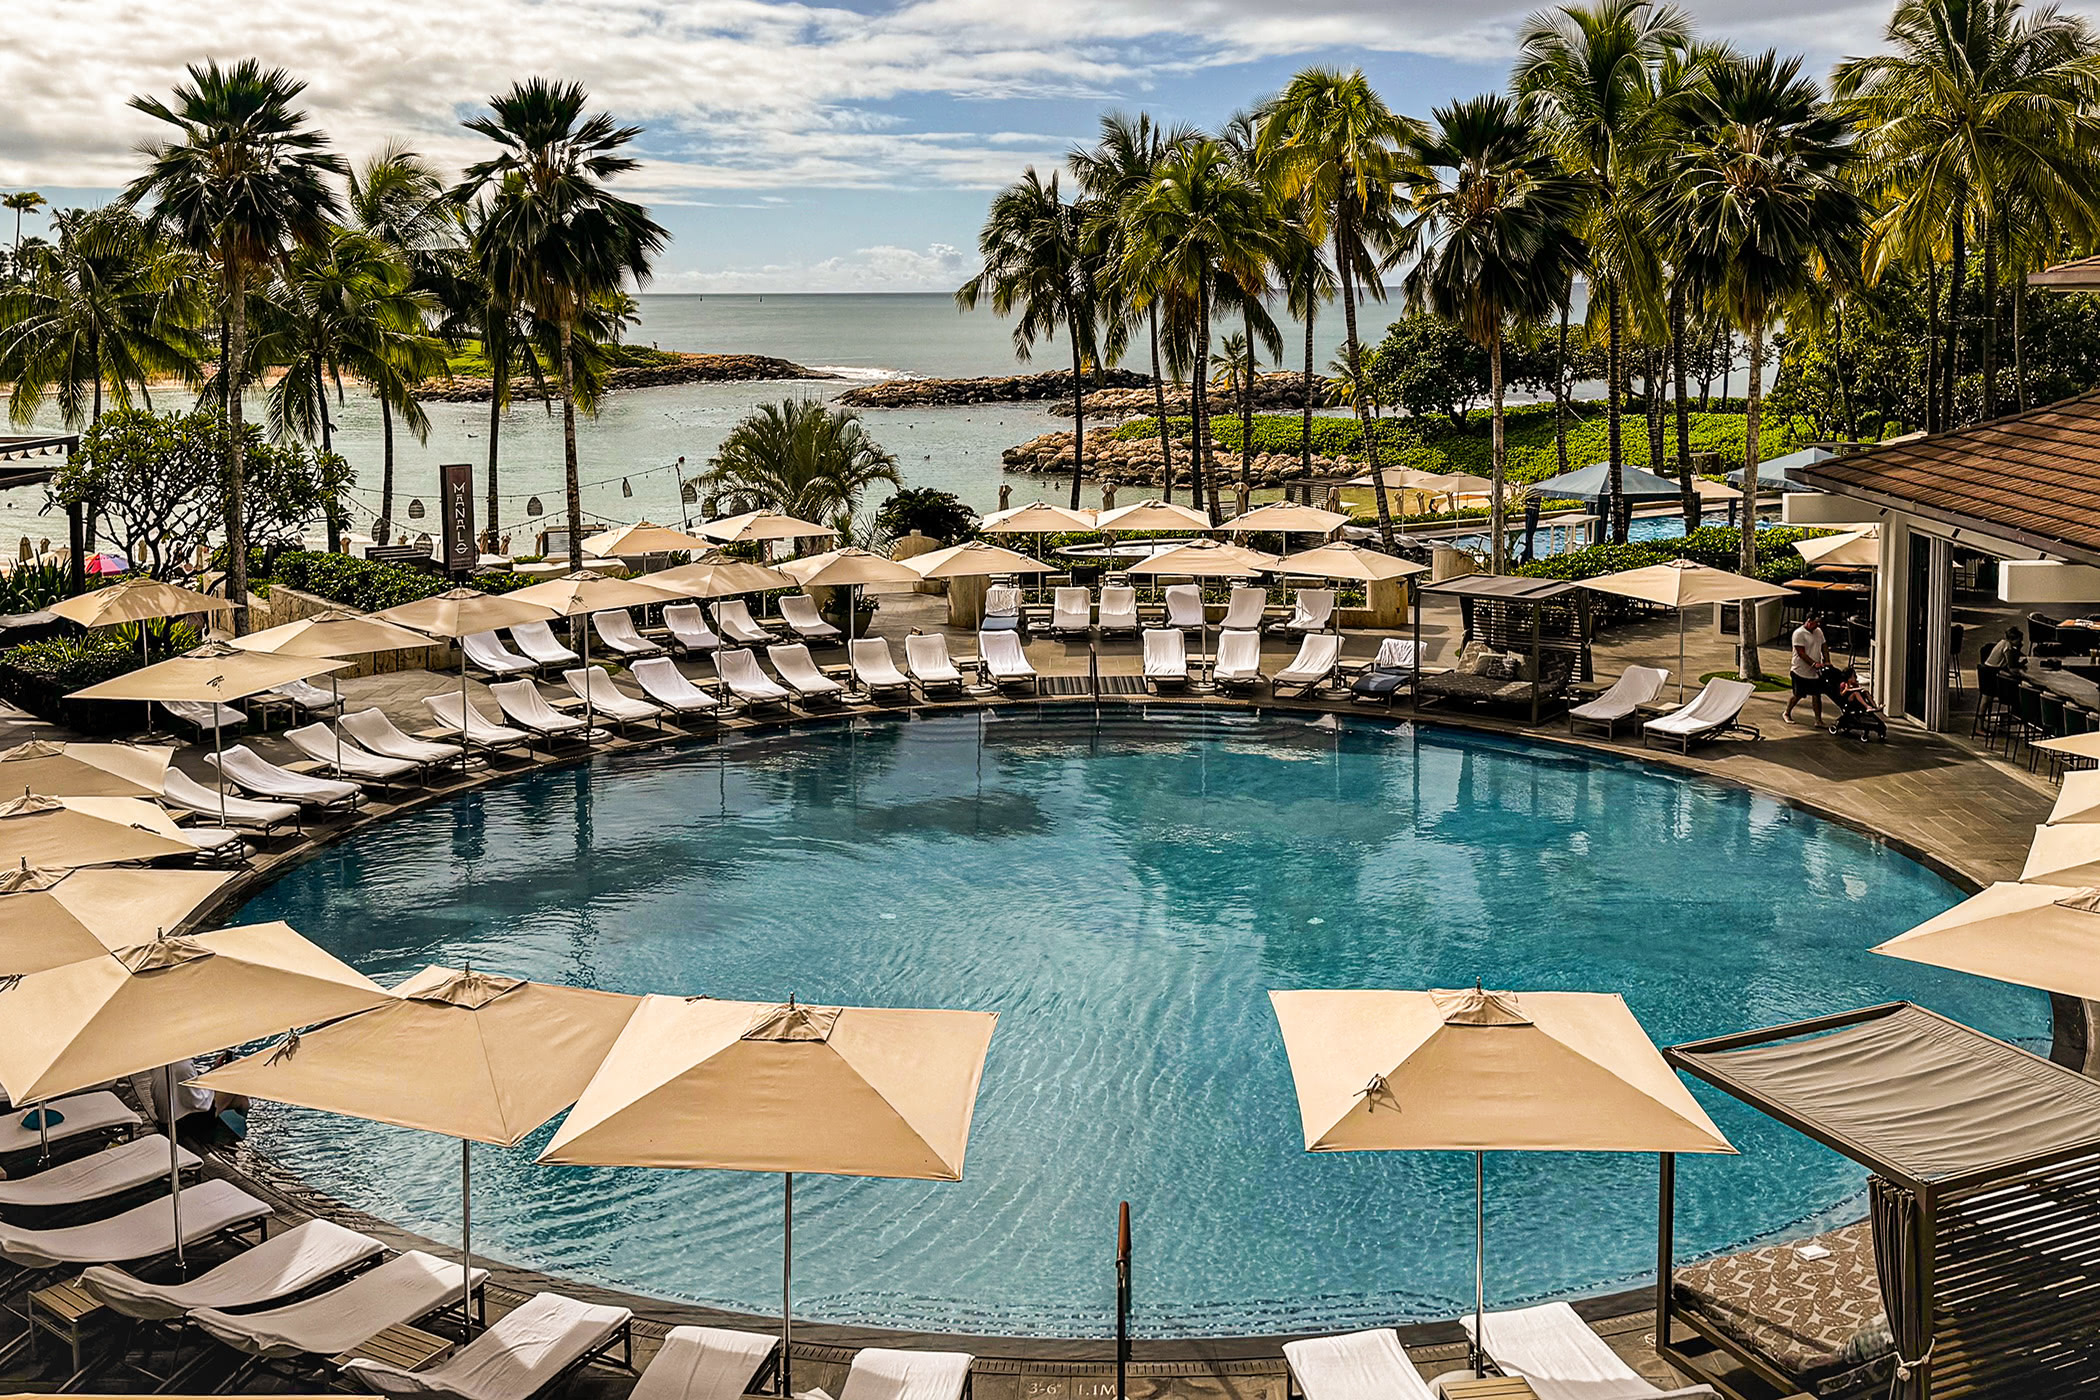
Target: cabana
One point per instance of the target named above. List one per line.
(1525, 640)
(1982, 1240)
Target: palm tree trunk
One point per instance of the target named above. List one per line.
(1078, 409)
(1932, 349)
(1687, 498)
(1614, 371)
(1204, 473)
(1990, 322)
(384, 528)
(1356, 377)
(1746, 630)
(568, 448)
(498, 375)
(1247, 404)
(1653, 367)
(1956, 276)
(2019, 317)
(1159, 406)
(1306, 399)
(331, 514)
(1498, 547)
(1560, 382)
(236, 447)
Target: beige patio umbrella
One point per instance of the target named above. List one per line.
(38, 830)
(2078, 800)
(458, 1053)
(2077, 745)
(213, 673)
(1207, 559)
(53, 916)
(851, 569)
(761, 1087)
(138, 600)
(1682, 584)
(974, 559)
(577, 595)
(463, 612)
(1038, 518)
(1479, 1071)
(1707, 490)
(2064, 855)
(1349, 563)
(754, 526)
(84, 770)
(159, 1000)
(2045, 936)
(643, 537)
(1861, 546)
(1412, 480)
(718, 578)
(1286, 518)
(1152, 515)
(333, 632)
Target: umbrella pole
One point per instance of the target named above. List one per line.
(590, 713)
(1680, 656)
(218, 761)
(335, 692)
(466, 1236)
(43, 1133)
(1479, 1263)
(174, 1173)
(787, 1275)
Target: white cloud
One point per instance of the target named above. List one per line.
(939, 267)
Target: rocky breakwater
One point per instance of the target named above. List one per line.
(1009, 388)
(1273, 393)
(664, 367)
(1136, 461)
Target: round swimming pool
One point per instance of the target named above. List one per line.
(1124, 891)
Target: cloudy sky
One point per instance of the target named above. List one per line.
(790, 146)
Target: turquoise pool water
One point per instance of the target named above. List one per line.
(1124, 892)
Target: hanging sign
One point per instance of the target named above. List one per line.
(456, 491)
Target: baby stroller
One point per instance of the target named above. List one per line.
(1857, 716)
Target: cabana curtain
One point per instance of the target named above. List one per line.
(1894, 1211)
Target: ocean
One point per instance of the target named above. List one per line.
(630, 451)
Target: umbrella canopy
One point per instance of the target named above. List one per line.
(332, 632)
(642, 537)
(2061, 855)
(572, 595)
(1038, 518)
(1714, 490)
(136, 600)
(1589, 485)
(40, 830)
(718, 578)
(2078, 800)
(1680, 583)
(755, 525)
(214, 672)
(1861, 547)
(1783, 473)
(462, 612)
(84, 770)
(1349, 563)
(1152, 515)
(2045, 936)
(161, 1000)
(1288, 518)
(975, 559)
(1431, 483)
(1207, 559)
(52, 917)
(849, 568)
(2078, 745)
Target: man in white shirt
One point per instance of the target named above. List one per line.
(1811, 654)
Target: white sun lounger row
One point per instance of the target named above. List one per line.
(97, 1111)
(114, 1170)
(143, 1232)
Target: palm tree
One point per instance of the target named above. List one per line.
(799, 457)
(246, 181)
(1762, 189)
(1043, 265)
(22, 202)
(1335, 147)
(554, 236)
(1203, 223)
(1494, 233)
(1308, 281)
(102, 305)
(1590, 74)
(1978, 98)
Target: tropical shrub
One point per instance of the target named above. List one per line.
(1717, 546)
(939, 515)
(369, 585)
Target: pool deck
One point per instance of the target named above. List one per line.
(1937, 797)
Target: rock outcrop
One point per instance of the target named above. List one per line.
(680, 368)
(1273, 393)
(1136, 461)
(1010, 388)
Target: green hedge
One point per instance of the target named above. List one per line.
(1717, 546)
(370, 586)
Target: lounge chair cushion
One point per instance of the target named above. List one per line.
(97, 1111)
(522, 1354)
(139, 1233)
(140, 1162)
(277, 1268)
(1356, 1366)
(400, 1290)
(703, 1363)
(1812, 1319)
(879, 1373)
(1554, 1350)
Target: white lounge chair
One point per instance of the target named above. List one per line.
(662, 681)
(1166, 658)
(703, 1363)
(1119, 612)
(486, 653)
(95, 1177)
(258, 777)
(1243, 609)
(280, 1266)
(1356, 1366)
(879, 1373)
(1071, 613)
(404, 1288)
(1239, 660)
(608, 701)
(738, 668)
(1391, 671)
(97, 1111)
(143, 1232)
(689, 630)
(1313, 611)
(875, 668)
(791, 660)
(476, 729)
(1554, 1351)
(537, 640)
(1005, 663)
(615, 628)
(733, 621)
(1318, 655)
(524, 706)
(527, 1350)
(926, 661)
(799, 612)
(1635, 687)
(1185, 606)
(1714, 711)
(306, 697)
(198, 714)
(186, 793)
(1002, 610)
(319, 742)
(373, 730)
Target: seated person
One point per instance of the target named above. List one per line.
(2009, 653)
(1856, 706)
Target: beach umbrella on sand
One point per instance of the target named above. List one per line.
(760, 1087)
(137, 600)
(1479, 1071)
(718, 578)
(643, 537)
(1152, 515)
(214, 673)
(1860, 546)
(458, 1053)
(755, 526)
(575, 596)
(1682, 584)
(463, 612)
(145, 1006)
(39, 830)
(333, 632)
(1286, 518)
(85, 770)
(2045, 936)
(850, 569)
(53, 916)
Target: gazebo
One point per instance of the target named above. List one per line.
(1544, 621)
(1982, 1243)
